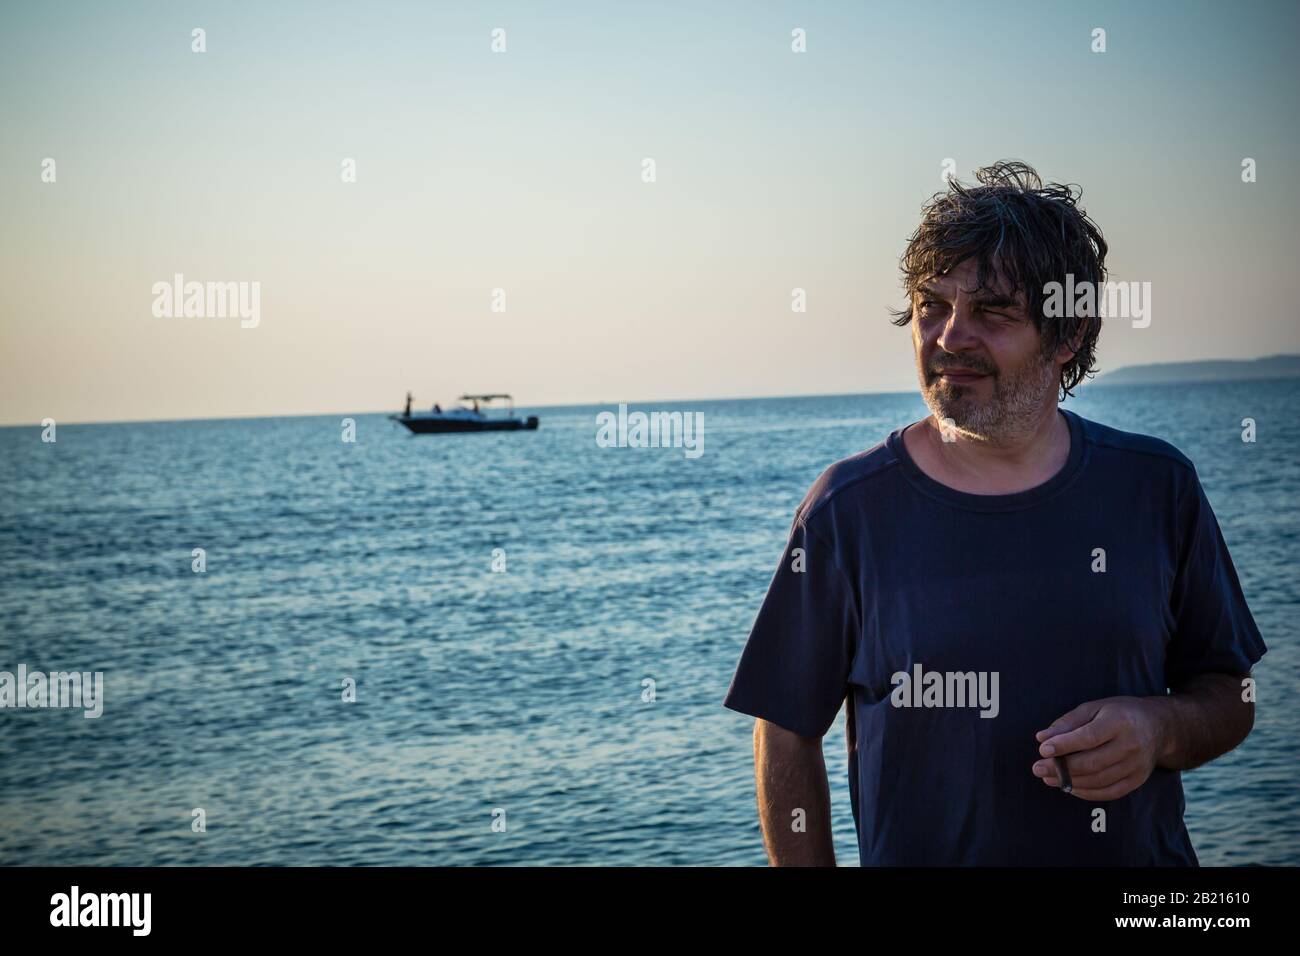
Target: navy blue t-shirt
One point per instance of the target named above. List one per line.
(1111, 578)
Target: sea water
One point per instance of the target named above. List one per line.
(536, 632)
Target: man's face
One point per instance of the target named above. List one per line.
(979, 356)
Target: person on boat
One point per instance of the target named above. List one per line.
(437, 409)
(408, 404)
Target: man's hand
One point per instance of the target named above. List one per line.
(1112, 746)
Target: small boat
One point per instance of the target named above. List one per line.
(465, 419)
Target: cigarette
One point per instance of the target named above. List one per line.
(1061, 771)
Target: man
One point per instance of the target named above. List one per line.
(998, 586)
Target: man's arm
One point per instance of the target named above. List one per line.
(1111, 746)
(791, 775)
(1203, 719)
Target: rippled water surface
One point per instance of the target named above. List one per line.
(480, 691)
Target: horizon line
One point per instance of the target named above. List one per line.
(381, 411)
(1097, 381)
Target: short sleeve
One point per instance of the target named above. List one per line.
(794, 669)
(1213, 630)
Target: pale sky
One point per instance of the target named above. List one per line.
(522, 171)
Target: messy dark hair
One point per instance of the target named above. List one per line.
(1027, 233)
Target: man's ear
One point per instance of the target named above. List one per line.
(1070, 347)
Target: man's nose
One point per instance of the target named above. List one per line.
(958, 333)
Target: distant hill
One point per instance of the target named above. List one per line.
(1215, 370)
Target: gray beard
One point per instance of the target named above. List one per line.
(1010, 415)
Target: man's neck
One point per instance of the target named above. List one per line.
(987, 467)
